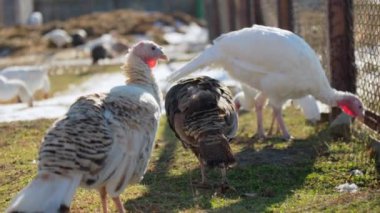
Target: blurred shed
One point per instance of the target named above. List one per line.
(64, 9)
(15, 11)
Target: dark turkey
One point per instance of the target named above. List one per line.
(77, 40)
(100, 52)
(201, 113)
(78, 37)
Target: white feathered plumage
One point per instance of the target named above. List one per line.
(311, 108)
(103, 142)
(13, 88)
(58, 37)
(278, 63)
(35, 19)
(35, 77)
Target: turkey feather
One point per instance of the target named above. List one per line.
(201, 113)
(46, 193)
(208, 57)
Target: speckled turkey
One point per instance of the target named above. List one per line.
(201, 113)
(103, 142)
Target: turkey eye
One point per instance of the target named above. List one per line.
(153, 48)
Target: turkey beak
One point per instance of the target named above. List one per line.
(162, 55)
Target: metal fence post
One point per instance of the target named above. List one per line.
(341, 46)
(285, 14)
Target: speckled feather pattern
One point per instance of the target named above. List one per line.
(108, 138)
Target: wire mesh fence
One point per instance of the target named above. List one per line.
(367, 53)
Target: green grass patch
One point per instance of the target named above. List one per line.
(277, 176)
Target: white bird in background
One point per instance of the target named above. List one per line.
(35, 19)
(107, 40)
(245, 100)
(103, 142)
(278, 63)
(310, 108)
(35, 77)
(58, 37)
(14, 88)
(78, 37)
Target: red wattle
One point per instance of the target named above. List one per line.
(151, 63)
(346, 109)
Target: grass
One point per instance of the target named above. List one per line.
(297, 176)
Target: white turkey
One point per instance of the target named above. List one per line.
(35, 19)
(103, 142)
(311, 108)
(245, 99)
(58, 37)
(36, 78)
(106, 40)
(14, 88)
(201, 113)
(78, 37)
(278, 63)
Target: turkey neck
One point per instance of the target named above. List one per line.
(138, 73)
(330, 96)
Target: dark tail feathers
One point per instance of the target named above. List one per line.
(215, 150)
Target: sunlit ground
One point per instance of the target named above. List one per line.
(270, 176)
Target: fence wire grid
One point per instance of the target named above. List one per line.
(366, 14)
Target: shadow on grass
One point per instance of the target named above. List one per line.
(271, 174)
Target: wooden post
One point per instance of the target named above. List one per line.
(224, 8)
(285, 14)
(213, 18)
(232, 15)
(341, 46)
(372, 120)
(243, 16)
(251, 12)
(247, 11)
(257, 17)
